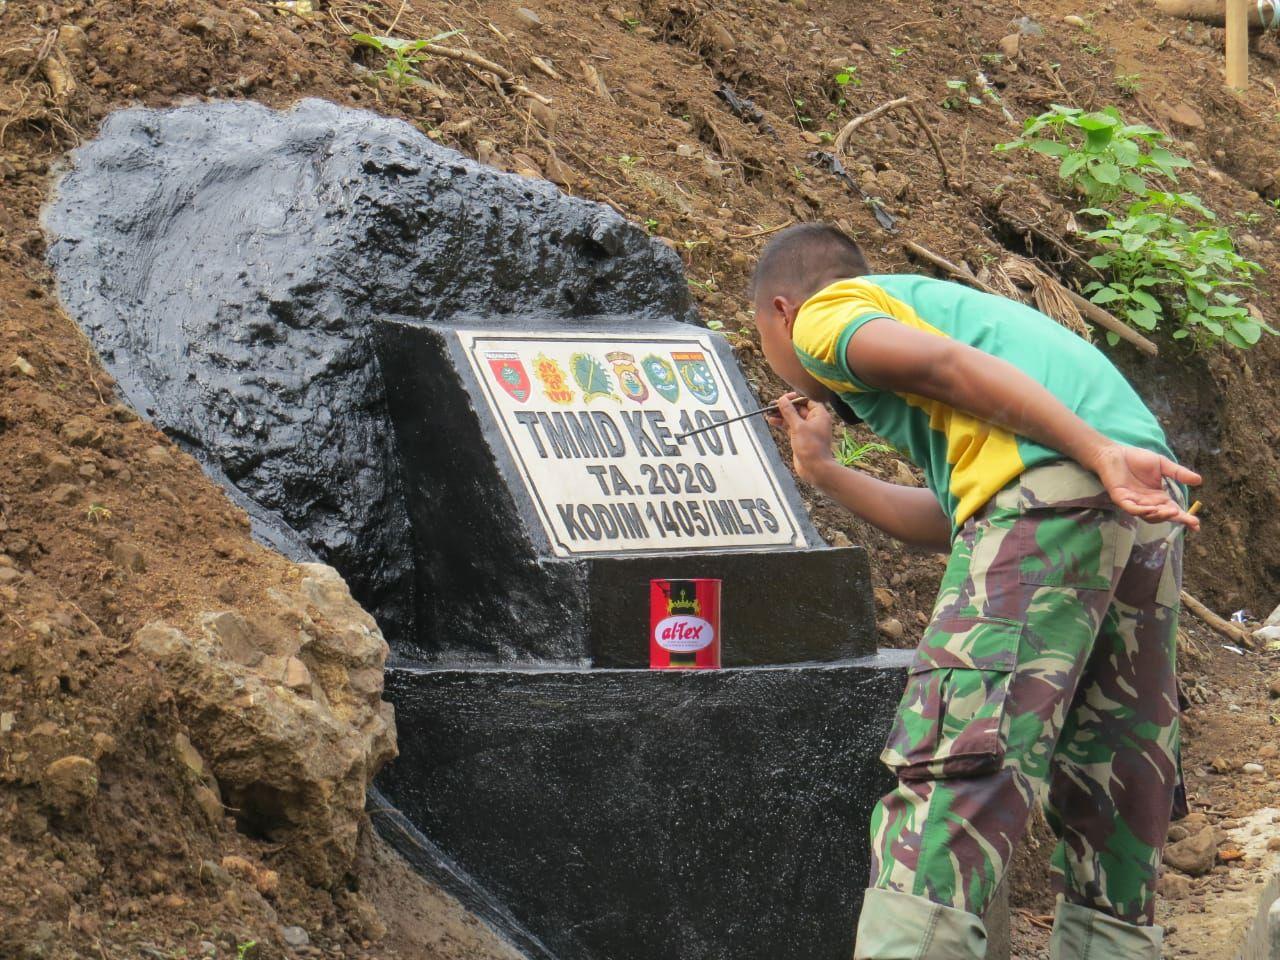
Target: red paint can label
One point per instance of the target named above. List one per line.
(684, 624)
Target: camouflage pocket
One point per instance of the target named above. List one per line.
(950, 721)
(1070, 546)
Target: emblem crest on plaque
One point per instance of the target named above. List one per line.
(628, 374)
(510, 374)
(590, 374)
(696, 374)
(555, 384)
(661, 376)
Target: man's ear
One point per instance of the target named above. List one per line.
(787, 310)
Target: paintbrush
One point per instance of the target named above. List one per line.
(798, 401)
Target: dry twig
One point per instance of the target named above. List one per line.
(842, 138)
(1233, 632)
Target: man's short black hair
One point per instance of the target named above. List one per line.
(803, 259)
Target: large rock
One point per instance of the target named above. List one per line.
(226, 260)
(292, 760)
(1196, 854)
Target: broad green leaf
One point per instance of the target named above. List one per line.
(1249, 331)
(1236, 340)
(1112, 338)
(1143, 317)
(1147, 300)
(1050, 148)
(1070, 164)
(1126, 153)
(1213, 326)
(1105, 172)
(1106, 295)
(1099, 120)
(1133, 183)
(1131, 242)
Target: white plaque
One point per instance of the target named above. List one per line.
(591, 422)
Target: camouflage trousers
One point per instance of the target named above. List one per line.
(1046, 674)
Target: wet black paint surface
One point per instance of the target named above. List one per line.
(655, 815)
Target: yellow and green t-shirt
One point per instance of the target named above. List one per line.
(966, 460)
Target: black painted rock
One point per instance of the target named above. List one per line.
(227, 260)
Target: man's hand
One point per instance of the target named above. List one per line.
(1135, 479)
(809, 427)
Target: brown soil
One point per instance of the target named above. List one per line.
(105, 526)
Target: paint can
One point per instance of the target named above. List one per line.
(684, 624)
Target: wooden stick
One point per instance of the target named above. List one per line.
(1238, 44)
(946, 266)
(842, 138)
(1097, 315)
(933, 140)
(1088, 308)
(1233, 632)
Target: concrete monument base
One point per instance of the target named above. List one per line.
(654, 815)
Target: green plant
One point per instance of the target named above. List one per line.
(1102, 156)
(799, 174)
(403, 56)
(1161, 265)
(1164, 254)
(961, 96)
(848, 77)
(628, 161)
(1129, 83)
(242, 950)
(1251, 218)
(715, 325)
(849, 451)
(96, 513)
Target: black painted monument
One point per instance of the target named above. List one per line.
(463, 389)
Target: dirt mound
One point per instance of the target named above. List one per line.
(104, 527)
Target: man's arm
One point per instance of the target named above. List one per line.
(910, 514)
(890, 356)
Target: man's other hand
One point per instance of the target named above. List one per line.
(1135, 479)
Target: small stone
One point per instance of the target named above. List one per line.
(1268, 751)
(1221, 765)
(1273, 843)
(722, 39)
(59, 468)
(885, 598)
(1072, 20)
(188, 755)
(22, 366)
(81, 432)
(892, 628)
(68, 782)
(841, 539)
(893, 183)
(64, 493)
(9, 575)
(158, 456)
(207, 948)
(1177, 832)
(1196, 854)
(1266, 634)
(1254, 768)
(1174, 886)
(1029, 28)
(1010, 45)
(528, 18)
(296, 675)
(1181, 115)
(213, 874)
(295, 936)
(209, 803)
(1273, 619)
(902, 475)
(267, 883)
(128, 556)
(6, 721)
